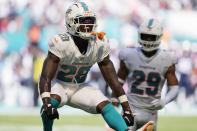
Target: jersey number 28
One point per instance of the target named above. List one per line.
(72, 73)
(152, 79)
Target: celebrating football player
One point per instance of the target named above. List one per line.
(146, 68)
(69, 59)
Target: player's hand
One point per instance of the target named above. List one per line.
(51, 112)
(128, 117)
(158, 104)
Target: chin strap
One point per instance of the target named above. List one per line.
(99, 34)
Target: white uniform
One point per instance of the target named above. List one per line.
(72, 70)
(145, 80)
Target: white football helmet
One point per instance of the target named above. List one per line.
(149, 34)
(75, 16)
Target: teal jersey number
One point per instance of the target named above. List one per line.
(64, 37)
(67, 70)
(82, 73)
(139, 77)
(71, 70)
(153, 81)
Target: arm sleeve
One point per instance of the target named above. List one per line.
(172, 93)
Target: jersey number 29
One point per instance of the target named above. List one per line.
(152, 79)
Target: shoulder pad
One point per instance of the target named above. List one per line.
(64, 37)
(57, 44)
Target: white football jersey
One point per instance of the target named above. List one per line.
(146, 75)
(74, 66)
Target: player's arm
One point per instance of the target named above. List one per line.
(107, 69)
(48, 71)
(172, 83)
(122, 74)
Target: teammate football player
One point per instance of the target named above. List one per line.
(146, 68)
(69, 59)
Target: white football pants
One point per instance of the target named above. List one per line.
(82, 96)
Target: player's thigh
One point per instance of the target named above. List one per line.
(59, 90)
(87, 98)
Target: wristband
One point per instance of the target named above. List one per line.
(45, 94)
(114, 99)
(122, 98)
(48, 105)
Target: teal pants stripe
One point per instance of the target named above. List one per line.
(113, 118)
(48, 124)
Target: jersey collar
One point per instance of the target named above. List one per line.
(144, 58)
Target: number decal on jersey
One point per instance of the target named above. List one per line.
(82, 73)
(68, 71)
(153, 81)
(64, 37)
(139, 77)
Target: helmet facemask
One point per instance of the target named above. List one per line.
(149, 42)
(85, 26)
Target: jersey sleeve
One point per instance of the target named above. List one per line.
(103, 50)
(122, 55)
(174, 58)
(55, 46)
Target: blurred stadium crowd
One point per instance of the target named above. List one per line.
(27, 25)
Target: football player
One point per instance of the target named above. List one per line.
(146, 68)
(70, 57)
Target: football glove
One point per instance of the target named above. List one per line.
(128, 118)
(51, 112)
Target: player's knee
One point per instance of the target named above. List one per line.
(54, 103)
(56, 97)
(101, 105)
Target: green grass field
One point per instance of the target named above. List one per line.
(88, 123)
